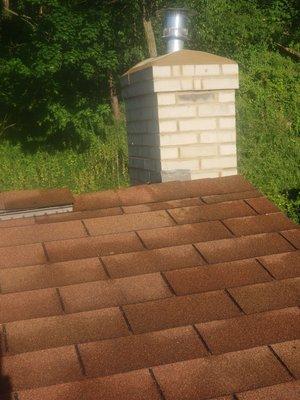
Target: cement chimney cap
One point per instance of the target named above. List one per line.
(181, 57)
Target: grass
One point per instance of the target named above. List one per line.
(269, 157)
(268, 128)
(102, 166)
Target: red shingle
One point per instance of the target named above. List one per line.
(251, 330)
(29, 199)
(65, 250)
(293, 236)
(224, 185)
(223, 398)
(148, 261)
(285, 265)
(19, 256)
(33, 304)
(258, 224)
(262, 205)
(209, 212)
(126, 223)
(39, 233)
(180, 190)
(184, 234)
(70, 216)
(36, 334)
(16, 222)
(220, 375)
(42, 368)
(180, 311)
(289, 353)
(217, 276)
(284, 391)
(141, 351)
(162, 205)
(244, 247)
(158, 264)
(95, 295)
(95, 201)
(137, 385)
(267, 296)
(141, 194)
(219, 198)
(51, 275)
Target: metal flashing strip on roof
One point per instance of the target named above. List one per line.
(29, 203)
(6, 215)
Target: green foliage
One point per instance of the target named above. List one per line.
(268, 127)
(102, 166)
(54, 71)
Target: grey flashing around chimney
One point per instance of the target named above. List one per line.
(176, 175)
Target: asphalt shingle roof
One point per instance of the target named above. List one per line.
(173, 291)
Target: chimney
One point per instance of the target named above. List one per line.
(180, 112)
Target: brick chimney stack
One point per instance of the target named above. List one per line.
(180, 113)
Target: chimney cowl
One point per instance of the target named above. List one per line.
(175, 27)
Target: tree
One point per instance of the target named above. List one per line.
(57, 73)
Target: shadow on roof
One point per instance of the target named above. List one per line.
(5, 384)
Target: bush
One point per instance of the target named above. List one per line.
(101, 166)
(268, 127)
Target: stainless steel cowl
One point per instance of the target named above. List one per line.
(175, 27)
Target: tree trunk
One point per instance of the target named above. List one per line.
(6, 13)
(114, 101)
(150, 37)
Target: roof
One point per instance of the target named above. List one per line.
(16, 204)
(181, 57)
(172, 291)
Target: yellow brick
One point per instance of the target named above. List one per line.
(216, 109)
(229, 172)
(178, 139)
(227, 149)
(197, 84)
(218, 163)
(198, 151)
(197, 124)
(187, 84)
(204, 174)
(167, 85)
(180, 164)
(176, 70)
(210, 69)
(230, 69)
(177, 112)
(226, 96)
(227, 123)
(167, 126)
(188, 70)
(162, 71)
(220, 83)
(168, 153)
(166, 99)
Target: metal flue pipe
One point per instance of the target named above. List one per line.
(175, 27)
